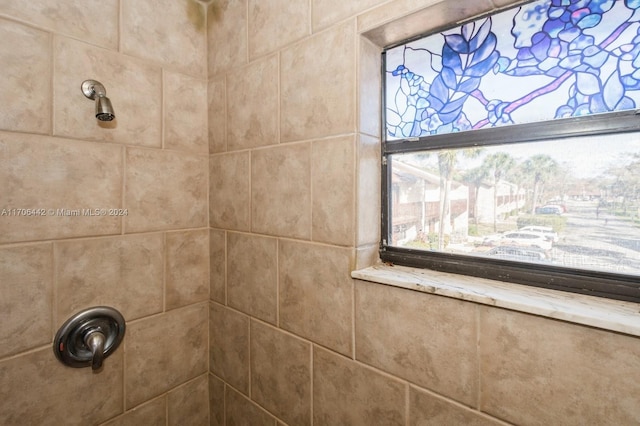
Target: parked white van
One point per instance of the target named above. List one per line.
(546, 231)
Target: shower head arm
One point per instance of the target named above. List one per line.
(93, 89)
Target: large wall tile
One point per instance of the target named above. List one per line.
(172, 33)
(316, 293)
(368, 191)
(125, 272)
(26, 286)
(239, 410)
(252, 275)
(152, 413)
(185, 113)
(217, 266)
(281, 374)
(187, 279)
(504, 3)
(230, 191)
(25, 86)
(369, 98)
(394, 10)
(216, 401)
(332, 182)
(189, 403)
(428, 409)
(347, 393)
(368, 156)
(95, 21)
(39, 390)
(398, 20)
(276, 23)
(217, 96)
(429, 340)
(327, 12)
(536, 371)
(165, 190)
(252, 105)
(227, 35)
(318, 85)
(164, 351)
(281, 191)
(367, 256)
(47, 173)
(229, 346)
(134, 88)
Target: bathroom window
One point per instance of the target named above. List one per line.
(512, 148)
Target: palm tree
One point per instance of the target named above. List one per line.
(540, 168)
(476, 177)
(498, 165)
(517, 176)
(447, 160)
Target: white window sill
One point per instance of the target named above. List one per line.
(613, 315)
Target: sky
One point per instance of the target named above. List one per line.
(585, 156)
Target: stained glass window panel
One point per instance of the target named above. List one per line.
(541, 61)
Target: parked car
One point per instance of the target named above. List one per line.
(530, 254)
(492, 240)
(526, 239)
(545, 231)
(518, 239)
(550, 209)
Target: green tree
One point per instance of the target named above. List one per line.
(518, 176)
(540, 168)
(476, 177)
(447, 161)
(497, 165)
(625, 180)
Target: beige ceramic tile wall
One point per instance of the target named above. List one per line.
(289, 108)
(294, 207)
(153, 264)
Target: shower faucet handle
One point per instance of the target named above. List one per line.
(94, 339)
(89, 337)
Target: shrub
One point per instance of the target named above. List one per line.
(556, 222)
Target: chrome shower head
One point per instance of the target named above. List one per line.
(104, 109)
(93, 89)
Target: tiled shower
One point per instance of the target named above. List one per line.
(243, 175)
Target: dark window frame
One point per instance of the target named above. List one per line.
(590, 282)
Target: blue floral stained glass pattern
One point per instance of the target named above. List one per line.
(544, 60)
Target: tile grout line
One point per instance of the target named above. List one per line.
(278, 282)
(311, 370)
(226, 260)
(249, 372)
(165, 260)
(224, 403)
(311, 188)
(54, 291)
(120, 27)
(226, 113)
(163, 106)
(166, 406)
(52, 81)
(279, 100)
(123, 196)
(407, 404)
